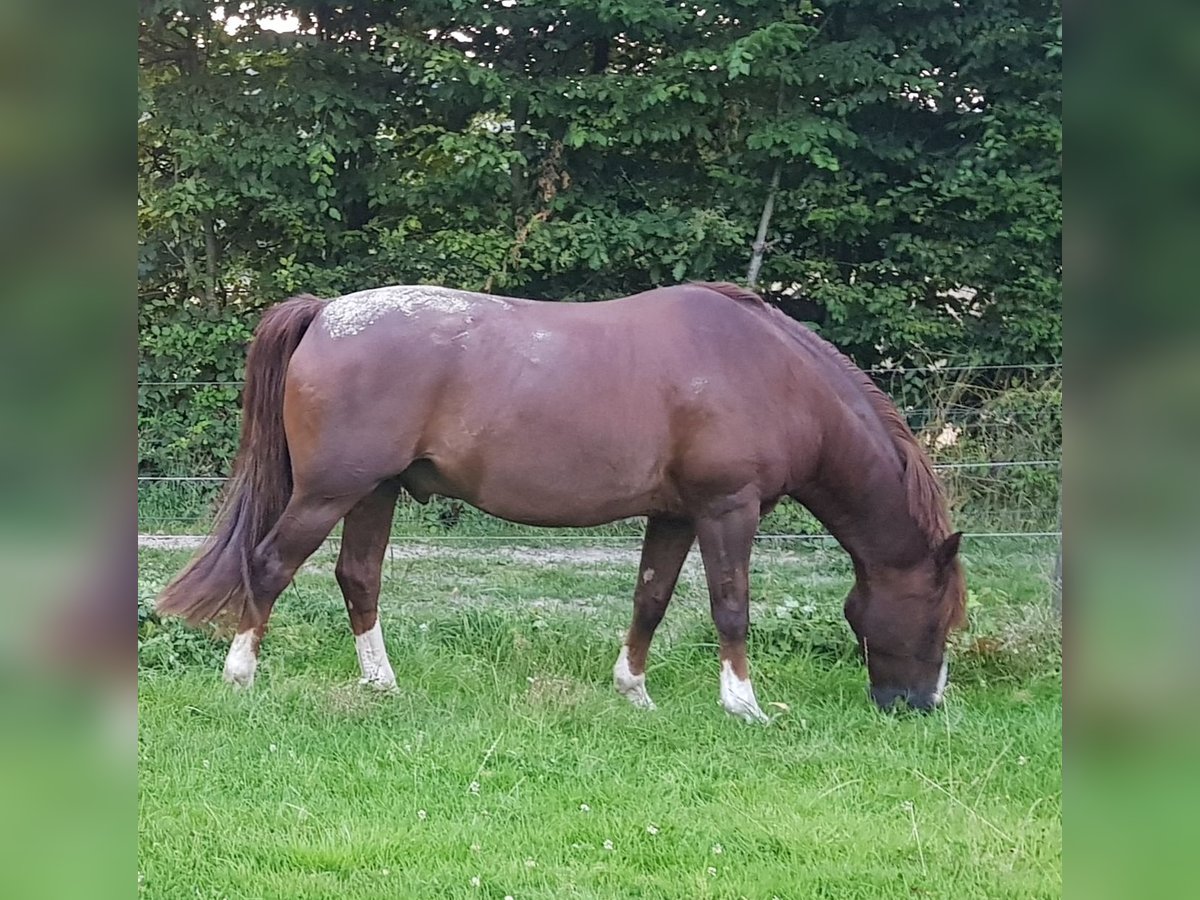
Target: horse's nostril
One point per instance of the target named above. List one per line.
(885, 698)
(921, 702)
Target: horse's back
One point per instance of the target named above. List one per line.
(554, 413)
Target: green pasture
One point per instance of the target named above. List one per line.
(505, 765)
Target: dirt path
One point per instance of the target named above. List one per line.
(628, 553)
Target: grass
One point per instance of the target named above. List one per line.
(507, 766)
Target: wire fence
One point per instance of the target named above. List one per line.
(987, 464)
(1020, 494)
(874, 370)
(1028, 522)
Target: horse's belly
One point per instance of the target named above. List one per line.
(540, 492)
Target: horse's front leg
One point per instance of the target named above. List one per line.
(359, 569)
(725, 543)
(665, 548)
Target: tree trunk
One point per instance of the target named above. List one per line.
(760, 241)
(212, 269)
(520, 181)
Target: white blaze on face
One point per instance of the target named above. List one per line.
(737, 696)
(373, 660)
(349, 315)
(941, 684)
(242, 660)
(632, 687)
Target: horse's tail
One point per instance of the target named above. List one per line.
(216, 582)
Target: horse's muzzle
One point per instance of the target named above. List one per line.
(922, 701)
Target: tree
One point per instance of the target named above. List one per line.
(589, 149)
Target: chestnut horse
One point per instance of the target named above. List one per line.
(697, 406)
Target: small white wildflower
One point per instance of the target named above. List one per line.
(475, 848)
(530, 864)
(422, 815)
(583, 807)
(508, 897)
(475, 882)
(718, 849)
(206, 764)
(1021, 760)
(387, 871)
(423, 627)
(652, 828)
(712, 871)
(475, 787)
(272, 748)
(608, 845)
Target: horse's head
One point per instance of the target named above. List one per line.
(902, 620)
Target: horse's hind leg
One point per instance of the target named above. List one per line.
(359, 568)
(306, 521)
(725, 544)
(663, 552)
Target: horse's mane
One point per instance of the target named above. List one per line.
(926, 501)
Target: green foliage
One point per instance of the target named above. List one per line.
(586, 150)
(168, 645)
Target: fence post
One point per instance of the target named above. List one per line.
(1058, 564)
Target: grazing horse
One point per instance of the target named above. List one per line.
(697, 406)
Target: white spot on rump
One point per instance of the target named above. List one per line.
(647, 576)
(737, 696)
(373, 660)
(349, 315)
(242, 660)
(632, 687)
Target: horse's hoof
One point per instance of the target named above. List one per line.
(378, 684)
(754, 717)
(242, 660)
(745, 712)
(631, 687)
(238, 678)
(637, 695)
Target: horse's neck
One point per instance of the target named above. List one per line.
(857, 491)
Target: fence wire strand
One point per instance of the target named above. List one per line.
(986, 464)
(875, 370)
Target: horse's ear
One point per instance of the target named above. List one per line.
(944, 555)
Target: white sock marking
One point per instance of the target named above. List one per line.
(242, 660)
(373, 659)
(737, 696)
(941, 684)
(633, 687)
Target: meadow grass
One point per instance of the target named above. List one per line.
(505, 765)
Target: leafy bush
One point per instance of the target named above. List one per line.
(168, 645)
(558, 152)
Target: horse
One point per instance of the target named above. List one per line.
(697, 406)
